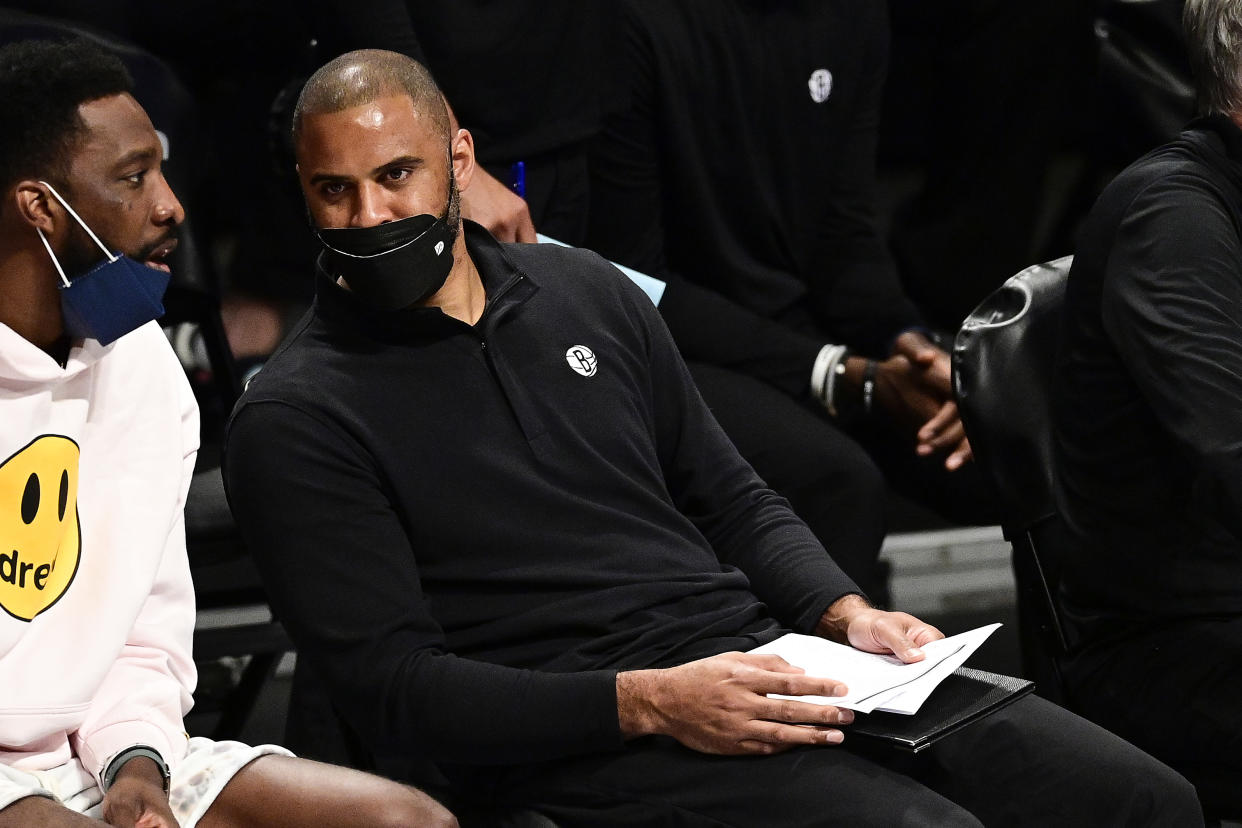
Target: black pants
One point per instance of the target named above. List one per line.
(835, 480)
(1030, 764)
(1175, 692)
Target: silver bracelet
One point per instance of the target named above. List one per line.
(837, 371)
(829, 365)
(868, 386)
(819, 371)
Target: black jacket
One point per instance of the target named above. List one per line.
(1149, 388)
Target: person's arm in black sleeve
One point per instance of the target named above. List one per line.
(344, 580)
(709, 327)
(719, 704)
(1172, 306)
(860, 298)
(747, 524)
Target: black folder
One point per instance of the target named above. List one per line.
(963, 697)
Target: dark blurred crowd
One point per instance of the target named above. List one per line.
(827, 188)
(999, 123)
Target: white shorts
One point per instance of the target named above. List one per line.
(200, 776)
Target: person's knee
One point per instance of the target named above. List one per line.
(924, 809)
(837, 461)
(1162, 796)
(411, 808)
(1087, 771)
(834, 480)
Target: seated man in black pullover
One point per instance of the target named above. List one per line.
(496, 516)
(1146, 402)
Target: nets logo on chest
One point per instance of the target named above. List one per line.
(820, 85)
(40, 537)
(582, 359)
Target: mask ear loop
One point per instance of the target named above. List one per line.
(84, 226)
(55, 261)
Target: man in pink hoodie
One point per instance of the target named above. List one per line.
(98, 435)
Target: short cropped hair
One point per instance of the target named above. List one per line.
(42, 84)
(360, 77)
(1214, 45)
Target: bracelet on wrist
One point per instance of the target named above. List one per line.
(868, 385)
(834, 380)
(829, 366)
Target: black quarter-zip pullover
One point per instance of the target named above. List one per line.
(470, 529)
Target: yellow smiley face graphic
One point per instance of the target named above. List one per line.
(40, 537)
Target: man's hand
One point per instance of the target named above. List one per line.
(944, 432)
(137, 799)
(719, 705)
(931, 371)
(901, 392)
(496, 207)
(851, 620)
(930, 358)
(503, 212)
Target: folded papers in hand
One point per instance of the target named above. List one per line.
(876, 682)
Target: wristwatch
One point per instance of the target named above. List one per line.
(118, 761)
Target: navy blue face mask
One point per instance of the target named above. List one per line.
(391, 265)
(111, 299)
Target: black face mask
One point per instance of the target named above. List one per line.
(392, 265)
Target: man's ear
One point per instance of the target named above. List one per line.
(33, 203)
(462, 149)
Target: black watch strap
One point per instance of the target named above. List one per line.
(118, 761)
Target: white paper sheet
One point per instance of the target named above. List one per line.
(876, 682)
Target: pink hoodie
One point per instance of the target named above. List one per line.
(96, 602)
